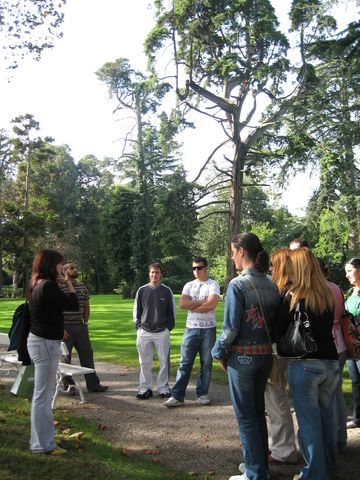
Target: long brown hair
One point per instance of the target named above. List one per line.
(308, 282)
(278, 267)
(44, 266)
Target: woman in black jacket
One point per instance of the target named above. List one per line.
(46, 303)
(313, 378)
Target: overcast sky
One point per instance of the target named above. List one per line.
(65, 96)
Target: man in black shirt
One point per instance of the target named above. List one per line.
(154, 317)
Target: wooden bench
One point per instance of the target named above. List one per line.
(64, 369)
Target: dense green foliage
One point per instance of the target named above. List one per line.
(284, 102)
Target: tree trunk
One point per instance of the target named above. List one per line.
(235, 202)
(141, 225)
(353, 243)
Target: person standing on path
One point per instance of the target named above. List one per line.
(154, 317)
(313, 378)
(244, 351)
(77, 333)
(352, 305)
(200, 298)
(281, 425)
(46, 305)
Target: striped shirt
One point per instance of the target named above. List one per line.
(82, 295)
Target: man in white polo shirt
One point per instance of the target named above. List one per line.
(200, 298)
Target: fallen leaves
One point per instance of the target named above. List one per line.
(130, 452)
(77, 435)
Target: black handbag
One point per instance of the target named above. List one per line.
(298, 339)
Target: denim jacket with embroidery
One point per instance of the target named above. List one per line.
(243, 323)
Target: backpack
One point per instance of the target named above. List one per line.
(350, 327)
(19, 332)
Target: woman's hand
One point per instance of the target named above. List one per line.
(60, 280)
(66, 280)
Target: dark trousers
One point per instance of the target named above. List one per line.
(79, 339)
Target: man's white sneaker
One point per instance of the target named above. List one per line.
(203, 400)
(239, 477)
(172, 402)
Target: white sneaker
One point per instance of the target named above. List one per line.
(242, 470)
(172, 402)
(239, 477)
(203, 400)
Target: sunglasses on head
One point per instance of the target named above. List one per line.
(201, 267)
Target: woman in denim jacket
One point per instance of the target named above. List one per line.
(245, 352)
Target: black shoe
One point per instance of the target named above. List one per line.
(165, 395)
(99, 388)
(72, 391)
(144, 395)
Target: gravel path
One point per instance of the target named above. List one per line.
(192, 438)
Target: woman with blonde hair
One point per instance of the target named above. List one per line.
(312, 378)
(281, 425)
(278, 268)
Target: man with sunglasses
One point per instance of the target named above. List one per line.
(200, 298)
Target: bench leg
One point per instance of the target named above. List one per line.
(78, 386)
(57, 389)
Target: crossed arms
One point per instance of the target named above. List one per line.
(200, 306)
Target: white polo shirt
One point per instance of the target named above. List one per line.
(197, 290)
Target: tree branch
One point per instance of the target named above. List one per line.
(223, 103)
(224, 172)
(208, 160)
(216, 212)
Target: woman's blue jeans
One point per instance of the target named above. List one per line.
(247, 381)
(195, 340)
(354, 374)
(45, 355)
(313, 383)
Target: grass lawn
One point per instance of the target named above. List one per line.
(113, 334)
(89, 458)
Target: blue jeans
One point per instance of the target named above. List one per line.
(45, 355)
(313, 384)
(247, 381)
(195, 340)
(339, 407)
(354, 374)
